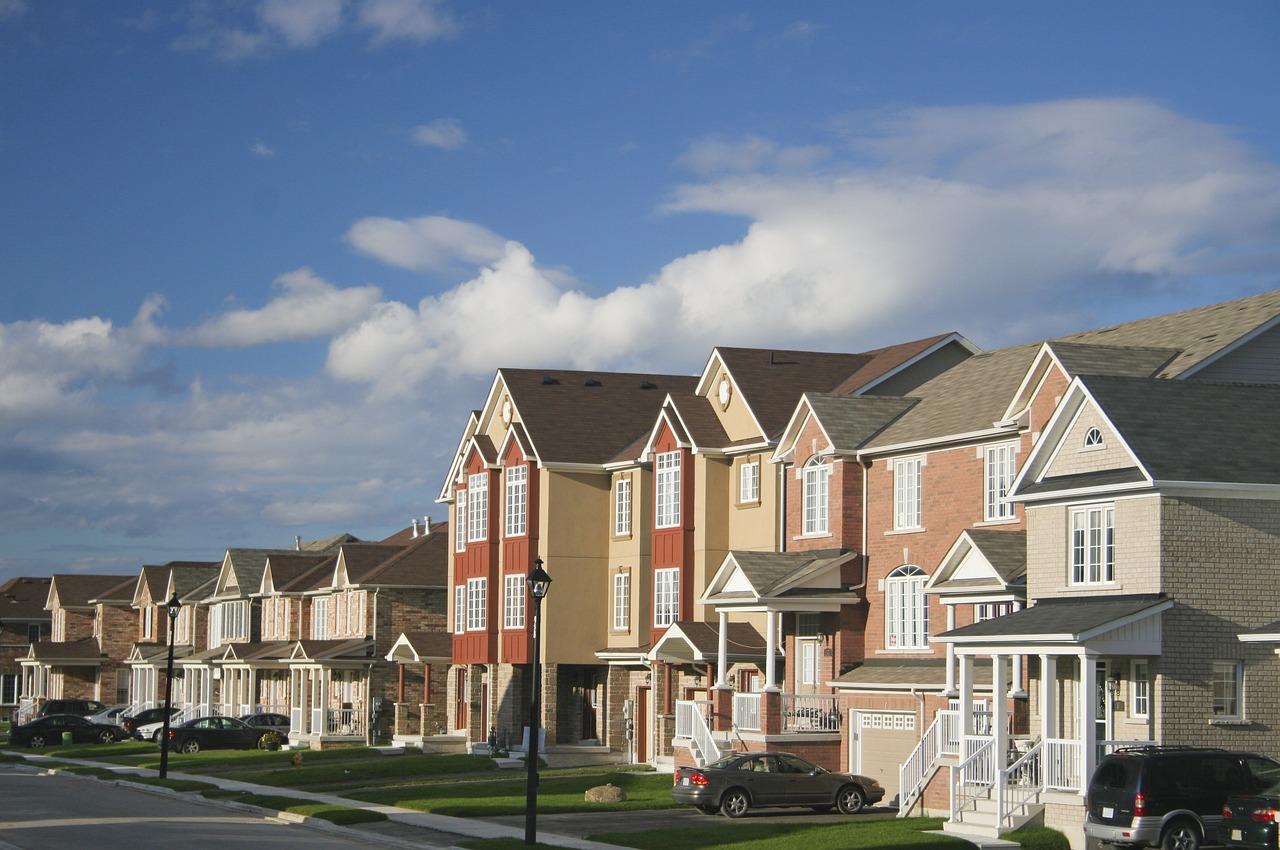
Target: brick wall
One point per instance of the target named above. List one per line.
(844, 505)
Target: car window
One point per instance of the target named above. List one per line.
(1217, 773)
(78, 721)
(1264, 772)
(205, 723)
(1111, 775)
(792, 764)
(745, 764)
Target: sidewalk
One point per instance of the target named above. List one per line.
(462, 827)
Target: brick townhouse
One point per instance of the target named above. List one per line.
(23, 621)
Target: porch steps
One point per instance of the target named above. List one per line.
(981, 818)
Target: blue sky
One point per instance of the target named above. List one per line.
(247, 246)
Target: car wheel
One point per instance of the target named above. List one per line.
(735, 803)
(850, 800)
(192, 746)
(105, 737)
(155, 736)
(1181, 835)
(36, 742)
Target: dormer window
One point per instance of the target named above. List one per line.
(1093, 439)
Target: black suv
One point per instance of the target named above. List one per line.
(80, 707)
(1169, 797)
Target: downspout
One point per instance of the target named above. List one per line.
(782, 507)
(368, 688)
(865, 466)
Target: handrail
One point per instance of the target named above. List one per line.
(918, 768)
(1019, 784)
(974, 772)
(703, 739)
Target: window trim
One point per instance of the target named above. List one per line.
(901, 496)
(320, 618)
(622, 502)
(513, 601)
(666, 477)
(478, 508)
(904, 578)
(517, 508)
(621, 599)
(477, 611)
(459, 609)
(664, 607)
(1237, 673)
(1104, 547)
(993, 495)
(815, 482)
(749, 496)
(1100, 443)
(460, 521)
(1145, 681)
(808, 666)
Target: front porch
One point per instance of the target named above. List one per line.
(422, 668)
(329, 693)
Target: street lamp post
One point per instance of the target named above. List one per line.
(539, 583)
(175, 608)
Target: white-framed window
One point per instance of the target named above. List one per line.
(513, 596)
(990, 610)
(148, 622)
(622, 508)
(907, 623)
(1093, 545)
(477, 592)
(460, 522)
(621, 601)
(477, 507)
(1000, 465)
(1228, 690)
(459, 609)
(1093, 439)
(182, 628)
(517, 499)
(8, 688)
(749, 482)
(906, 492)
(809, 662)
(666, 596)
(320, 618)
(1140, 685)
(816, 478)
(667, 489)
(233, 621)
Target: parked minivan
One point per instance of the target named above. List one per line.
(1169, 797)
(81, 707)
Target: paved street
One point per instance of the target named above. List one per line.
(595, 823)
(44, 812)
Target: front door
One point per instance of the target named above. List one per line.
(1102, 708)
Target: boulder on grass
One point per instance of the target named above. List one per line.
(605, 794)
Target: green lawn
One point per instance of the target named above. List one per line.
(148, 755)
(507, 797)
(500, 844)
(389, 767)
(335, 814)
(853, 834)
(105, 752)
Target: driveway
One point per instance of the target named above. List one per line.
(595, 823)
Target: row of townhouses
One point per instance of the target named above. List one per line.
(953, 570)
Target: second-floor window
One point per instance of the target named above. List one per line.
(349, 608)
(275, 616)
(749, 482)
(999, 468)
(320, 618)
(477, 507)
(816, 479)
(228, 621)
(907, 614)
(513, 601)
(148, 622)
(666, 596)
(460, 522)
(990, 610)
(459, 609)
(906, 493)
(621, 601)
(182, 628)
(33, 633)
(667, 490)
(1093, 545)
(622, 508)
(477, 592)
(517, 499)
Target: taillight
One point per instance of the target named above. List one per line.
(1139, 804)
(698, 778)
(1226, 810)
(1264, 815)
(172, 734)
(675, 780)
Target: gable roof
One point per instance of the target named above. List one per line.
(154, 579)
(24, 598)
(1003, 552)
(772, 574)
(699, 641)
(1096, 359)
(286, 567)
(849, 422)
(84, 650)
(77, 590)
(191, 580)
(423, 563)
(422, 647)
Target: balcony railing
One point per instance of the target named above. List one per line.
(810, 713)
(746, 712)
(270, 708)
(346, 722)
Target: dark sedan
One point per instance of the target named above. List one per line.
(47, 731)
(1252, 820)
(220, 733)
(743, 781)
(267, 721)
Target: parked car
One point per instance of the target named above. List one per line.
(149, 724)
(113, 715)
(221, 733)
(47, 730)
(79, 707)
(743, 781)
(1169, 797)
(1253, 820)
(267, 721)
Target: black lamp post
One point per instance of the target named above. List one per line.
(539, 583)
(175, 608)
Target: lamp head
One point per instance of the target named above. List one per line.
(175, 607)
(539, 581)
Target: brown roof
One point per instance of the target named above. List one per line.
(423, 563)
(700, 420)
(430, 644)
(333, 649)
(76, 589)
(288, 567)
(361, 559)
(914, 671)
(156, 579)
(84, 649)
(23, 598)
(588, 417)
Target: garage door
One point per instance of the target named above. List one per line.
(883, 740)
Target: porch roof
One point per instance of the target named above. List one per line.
(1069, 620)
(749, 578)
(1269, 633)
(900, 674)
(150, 652)
(349, 649)
(697, 641)
(262, 650)
(71, 653)
(422, 647)
(203, 656)
(983, 560)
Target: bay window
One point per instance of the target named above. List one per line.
(667, 486)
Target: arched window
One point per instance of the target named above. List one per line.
(1093, 438)
(815, 476)
(907, 619)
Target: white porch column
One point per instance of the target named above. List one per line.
(722, 652)
(253, 690)
(1088, 736)
(1015, 680)
(950, 689)
(966, 697)
(324, 701)
(1048, 693)
(999, 712)
(770, 650)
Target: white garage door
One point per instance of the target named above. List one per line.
(882, 741)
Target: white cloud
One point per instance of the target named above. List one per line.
(405, 20)
(721, 156)
(301, 23)
(308, 307)
(446, 133)
(262, 150)
(430, 243)
(992, 221)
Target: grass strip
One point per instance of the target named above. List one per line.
(106, 752)
(1038, 838)
(499, 844)
(341, 815)
(555, 795)
(851, 834)
(390, 767)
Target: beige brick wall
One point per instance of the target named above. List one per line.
(1074, 459)
(1137, 553)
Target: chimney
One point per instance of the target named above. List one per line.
(297, 542)
(414, 520)
(426, 525)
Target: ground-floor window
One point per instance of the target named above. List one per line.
(8, 688)
(1228, 688)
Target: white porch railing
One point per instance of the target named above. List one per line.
(187, 712)
(685, 710)
(810, 713)
(974, 776)
(1018, 789)
(691, 723)
(270, 708)
(346, 722)
(746, 712)
(941, 738)
(295, 721)
(1062, 764)
(27, 707)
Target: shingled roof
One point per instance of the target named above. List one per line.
(851, 421)
(24, 597)
(75, 590)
